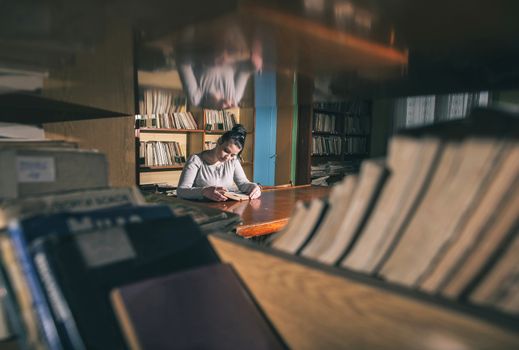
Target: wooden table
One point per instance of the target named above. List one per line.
(271, 212)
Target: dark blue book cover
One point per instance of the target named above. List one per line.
(82, 268)
(57, 324)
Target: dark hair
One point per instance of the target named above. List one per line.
(236, 135)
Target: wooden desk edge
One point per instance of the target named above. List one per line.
(260, 229)
(274, 188)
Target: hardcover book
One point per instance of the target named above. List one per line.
(467, 237)
(84, 267)
(203, 308)
(370, 181)
(236, 196)
(57, 325)
(340, 201)
(410, 161)
(450, 199)
(305, 220)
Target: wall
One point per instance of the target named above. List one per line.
(101, 77)
(285, 124)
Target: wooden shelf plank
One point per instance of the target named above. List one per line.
(326, 133)
(331, 111)
(350, 134)
(160, 167)
(220, 132)
(163, 130)
(327, 155)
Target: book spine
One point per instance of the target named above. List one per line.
(43, 312)
(11, 322)
(64, 321)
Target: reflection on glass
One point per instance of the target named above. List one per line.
(344, 15)
(12, 80)
(351, 17)
(218, 81)
(314, 7)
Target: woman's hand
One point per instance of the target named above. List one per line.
(255, 192)
(214, 193)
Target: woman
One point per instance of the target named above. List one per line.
(210, 173)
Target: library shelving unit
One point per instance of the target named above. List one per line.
(160, 110)
(340, 134)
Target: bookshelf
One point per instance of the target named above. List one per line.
(313, 307)
(340, 133)
(166, 133)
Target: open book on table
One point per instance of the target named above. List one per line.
(237, 196)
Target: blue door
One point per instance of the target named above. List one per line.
(265, 128)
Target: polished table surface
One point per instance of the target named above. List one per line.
(271, 212)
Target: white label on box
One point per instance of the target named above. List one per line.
(35, 169)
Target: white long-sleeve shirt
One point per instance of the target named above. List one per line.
(197, 175)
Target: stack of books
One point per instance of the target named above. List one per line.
(327, 145)
(421, 110)
(324, 123)
(439, 215)
(335, 169)
(86, 266)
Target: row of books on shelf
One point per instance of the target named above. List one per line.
(327, 145)
(156, 101)
(438, 216)
(422, 110)
(219, 119)
(86, 266)
(328, 123)
(160, 153)
(354, 107)
(356, 125)
(324, 123)
(336, 145)
(177, 120)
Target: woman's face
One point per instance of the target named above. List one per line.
(226, 151)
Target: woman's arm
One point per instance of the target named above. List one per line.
(187, 76)
(244, 185)
(187, 179)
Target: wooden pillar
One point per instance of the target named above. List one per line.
(305, 88)
(101, 77)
